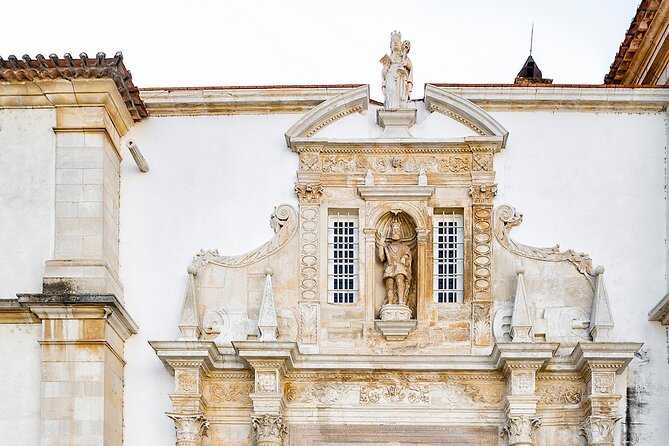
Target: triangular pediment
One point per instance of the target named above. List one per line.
(351, 115)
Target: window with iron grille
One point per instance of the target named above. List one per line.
(449, 262)
(342, 257)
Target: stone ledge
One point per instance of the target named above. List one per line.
(80, 306)
(660, 312)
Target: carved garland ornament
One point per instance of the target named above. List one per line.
(394, 393)
(506, 219)
(284, 223)
(559, 394)
(231, 393)
(396, 164)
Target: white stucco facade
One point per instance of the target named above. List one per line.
(592, 181)
(585, 166)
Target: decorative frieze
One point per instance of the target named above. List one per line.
(396, 164)
(236, 392)
(395, 393)
(559, 393)
(190, 427)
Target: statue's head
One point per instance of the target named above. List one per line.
(395, 230)
(395, 41)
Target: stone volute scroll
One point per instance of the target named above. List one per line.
(396, 116)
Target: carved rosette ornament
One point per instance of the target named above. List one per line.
(482, 195)
(520, 430)
(268, 430)
(189, 428)
(599, 430)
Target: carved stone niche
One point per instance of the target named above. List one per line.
(396, 249)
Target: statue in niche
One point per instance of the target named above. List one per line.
(397, 257)
(397, 73)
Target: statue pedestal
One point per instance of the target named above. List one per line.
(396, 123)
(395, 323)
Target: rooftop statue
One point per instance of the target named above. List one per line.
(397, 73)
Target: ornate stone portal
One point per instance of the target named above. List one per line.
(393, 302)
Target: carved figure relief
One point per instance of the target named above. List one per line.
(397, 73)
(559, 393)
(397, 258)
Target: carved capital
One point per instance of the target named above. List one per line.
(483, 193)
(309, 193)
(268, 430)
(520, 430)
(190, 428)
(599, 430)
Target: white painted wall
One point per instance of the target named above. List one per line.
(590, 181)
(213, 183)
(27, 176)
(594, 182)
(21, 377)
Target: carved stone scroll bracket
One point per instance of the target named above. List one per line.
(506, 219)
(520, 430)
(284, 223)
(190, 427)
(268, 430)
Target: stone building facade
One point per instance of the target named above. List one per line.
(392, 301)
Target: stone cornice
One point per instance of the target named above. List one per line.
(467, 144)
(353, 101)
(569, 98)
(81, 306)
(26, 69)
(660, 312)
(535, 356)
(75, 93)
(12, 312)
(464, 111)
(238, 100)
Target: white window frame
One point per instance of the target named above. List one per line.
(343, 256)
(448, 250)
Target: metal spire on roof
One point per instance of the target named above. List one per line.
(531, 38)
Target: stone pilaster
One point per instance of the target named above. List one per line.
(82, 367)
(520, 363)
(600, 362)
(481, 258)
(86, 245)
(602, 400)
(309, 195)
(269, 361)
